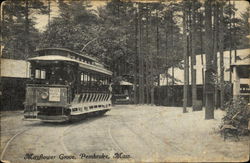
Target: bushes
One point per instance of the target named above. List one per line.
(237, 115)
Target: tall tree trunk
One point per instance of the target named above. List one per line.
(140, 56)
(152, 67)
(26, 50)
(167, 88)
(189, 52)
(166, 61)
(209, 110)
(230, 46)
(234, 34)
(215, 38)
(202, 62)
(147, 57)
(152, 80)
(12, 52)
(49, 15)
(158, 57)
(193, 56)
(142, 66)
(221, 49)
(136, 58)
(173, 89)
(172, 53)
(185, 56)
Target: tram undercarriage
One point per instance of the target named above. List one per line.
(64, 114)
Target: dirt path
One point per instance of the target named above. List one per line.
(138, 133)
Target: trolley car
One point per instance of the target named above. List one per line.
(66, 86)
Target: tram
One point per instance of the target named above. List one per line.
(66, 86)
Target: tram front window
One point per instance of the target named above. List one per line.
(53, 75)
(59, 75)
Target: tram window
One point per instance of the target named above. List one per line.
(82, 77)
(101, 80)
(85, 78)
(37, 74)
(105, 81)
(94, 78)
(43, 74)
(88, 77)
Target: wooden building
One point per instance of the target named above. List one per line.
(175, 90)
(14, 75)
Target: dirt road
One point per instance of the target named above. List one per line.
(126, 133)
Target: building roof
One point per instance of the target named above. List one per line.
(242, 62)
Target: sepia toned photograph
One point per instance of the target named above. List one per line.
(130, 81)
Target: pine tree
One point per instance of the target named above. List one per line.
(19, 33)
(193, 54)
(209, 108)
(221, 51)
(185, 56)
(215, 48)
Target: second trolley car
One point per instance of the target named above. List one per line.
(66, 86)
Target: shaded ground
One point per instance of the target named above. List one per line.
(140, 133)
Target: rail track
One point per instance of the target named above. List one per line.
(173, 144)
(36, 139)
(155, 138)
(10, 140)
(115, 143)
(110, 124)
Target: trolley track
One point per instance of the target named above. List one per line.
(145, 137)
(140, 138)
(10, 140)
(105, 121)
(173, 144)
(115, 143)
(111, 123)
(36, 137)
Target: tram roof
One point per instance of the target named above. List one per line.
(66, 59)
(67, 50)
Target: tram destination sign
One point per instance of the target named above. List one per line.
(54, 94)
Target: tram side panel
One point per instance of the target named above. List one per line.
(51, 103)
(90, 97)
